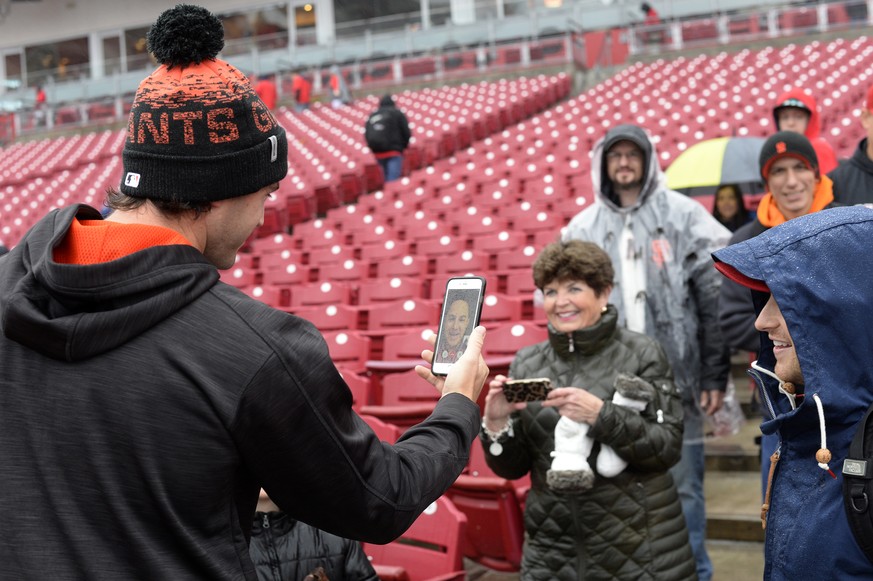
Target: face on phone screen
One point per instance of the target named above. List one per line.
(461, 310)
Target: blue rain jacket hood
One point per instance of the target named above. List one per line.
(819, 268)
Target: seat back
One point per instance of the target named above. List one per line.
(384, 431)
(348, 349)
(403, 313)
(507, 338)
(494, 509)
(431, 548)
(407, 387)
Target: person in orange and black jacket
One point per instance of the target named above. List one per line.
(795, 187)
(796, 110)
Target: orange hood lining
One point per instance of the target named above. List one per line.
(98, 241)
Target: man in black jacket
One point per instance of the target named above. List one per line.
(387, 134)
(144, 403)
(853, 178)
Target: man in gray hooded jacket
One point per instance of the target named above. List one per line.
(659, 241)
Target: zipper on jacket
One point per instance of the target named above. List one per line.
(272, 551)
(759, 381)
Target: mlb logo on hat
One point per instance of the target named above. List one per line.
(131, 179)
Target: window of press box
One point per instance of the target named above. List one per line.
(62, 61)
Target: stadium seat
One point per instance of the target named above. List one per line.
(359, 385)
(389, 289)
(320, 293)
(429, 551)
(384, 431)
(403, 313)
(404, 399)
(494, 510)
(348, 349)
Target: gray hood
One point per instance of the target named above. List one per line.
(653, 177)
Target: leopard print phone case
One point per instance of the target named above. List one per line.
(519, 390)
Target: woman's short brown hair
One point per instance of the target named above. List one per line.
(574, 260)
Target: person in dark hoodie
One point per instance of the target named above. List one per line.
(387, 135)
(796, 110)
(853, 180)
(795, 187)
(810, 279)
(659, 241)
(144, 403)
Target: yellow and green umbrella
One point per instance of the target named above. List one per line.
(704, 166)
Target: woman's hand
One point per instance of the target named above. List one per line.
(577, 404)
(497, 409)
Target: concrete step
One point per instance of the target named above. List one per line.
(736, 452)
(731, 561)
(733, 506)
(736, 560)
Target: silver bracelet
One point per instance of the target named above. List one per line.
(496, 448)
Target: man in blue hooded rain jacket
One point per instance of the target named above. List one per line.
(811, 280)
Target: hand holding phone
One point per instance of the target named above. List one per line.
(524, 390)
(462, 308)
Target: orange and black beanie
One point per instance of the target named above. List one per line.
(787, 144)
(197, 131)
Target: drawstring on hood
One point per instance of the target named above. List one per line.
(823, 456)
(786, 388)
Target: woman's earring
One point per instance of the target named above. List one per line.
(603, 310)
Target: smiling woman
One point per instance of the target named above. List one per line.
(613, 388)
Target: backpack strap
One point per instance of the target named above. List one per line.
(858, 485)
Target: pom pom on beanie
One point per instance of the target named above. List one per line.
(185, 35)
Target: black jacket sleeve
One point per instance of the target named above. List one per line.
(736, 313)
(405, 134)
(715, 355)
(322, 464)
(358, 566)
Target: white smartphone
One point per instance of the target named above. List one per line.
(462, 308)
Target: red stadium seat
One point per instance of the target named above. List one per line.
(384, 431)
(360, 387)
(494, 509)
(403, 313)
(429, 551)
(348, 349)
(320, 293)
(330, 317)
(390, 289)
